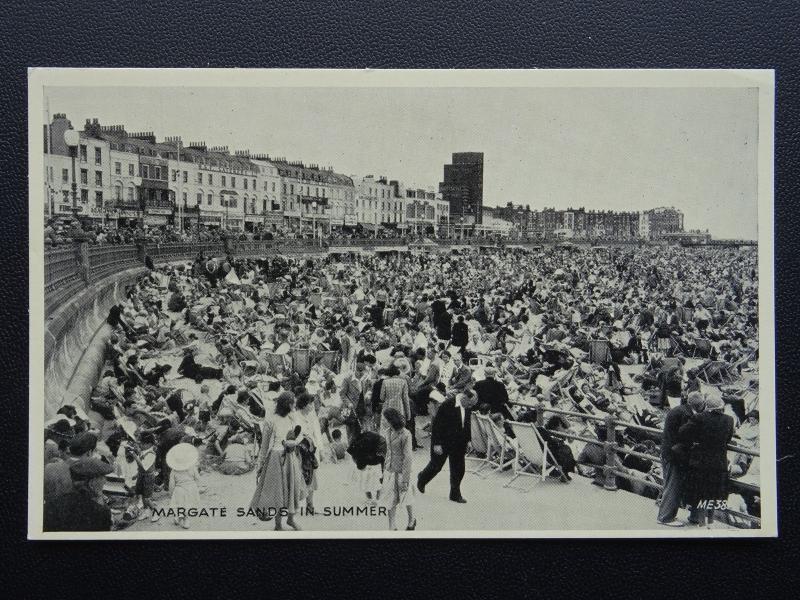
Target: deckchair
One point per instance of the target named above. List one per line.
(499, 447)
(479, 446)
(277, 361)
(600, 351)
(301, 361)
(328, 358)
(702, 348)
(533, 457)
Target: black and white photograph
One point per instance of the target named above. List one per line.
(401, 304)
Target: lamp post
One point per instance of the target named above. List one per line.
(314, 221)
(71, 139)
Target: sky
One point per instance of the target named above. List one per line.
(601, 148)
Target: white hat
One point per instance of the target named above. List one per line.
(182, 457)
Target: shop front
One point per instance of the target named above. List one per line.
(211, 220)
(157, 216)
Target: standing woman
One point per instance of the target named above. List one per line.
(308, 420)
(394, 394)
(280, 488)
(707, 436)
(396, 490)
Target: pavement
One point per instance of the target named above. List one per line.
(530, 505)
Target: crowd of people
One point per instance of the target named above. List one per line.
(276, 365)
(64, 230)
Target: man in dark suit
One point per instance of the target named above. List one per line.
(460, 333)
(673, 460)
(493, 392)
(450, 440)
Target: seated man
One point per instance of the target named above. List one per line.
(593, 458)
(189, 368)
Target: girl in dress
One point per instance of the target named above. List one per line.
(308, 420)
(397, 491)
(280, 487)
(183, 481)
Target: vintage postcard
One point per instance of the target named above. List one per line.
(339, 303)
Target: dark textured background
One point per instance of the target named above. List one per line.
(394, 34)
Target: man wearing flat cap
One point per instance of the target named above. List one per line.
(674, 459)
(82, 509)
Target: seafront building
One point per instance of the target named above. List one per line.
(122, 178)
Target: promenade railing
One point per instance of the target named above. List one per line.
(63, 275)
(613, 449)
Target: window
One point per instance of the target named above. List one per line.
(65, 175)
(233, 182)
(98, 156)
(210, 199)
(84, 177)
(254, 184)
(174, 175)
(199, 199)
(130, 169)
(83, 153)
(232, 201)
(199, 178)
(264, 209)
(157, 174)
(98, 178)
(118, 191)
(130, 193)
(84, 196)
(145, 171)
(245, 184)
(210, 179)
(118, 168)
(284, 185)
(98, 199)
(224, 179)
(291, 189)
(185, 198)
(273, 187)
(185, 177)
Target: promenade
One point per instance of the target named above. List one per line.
(530, 505)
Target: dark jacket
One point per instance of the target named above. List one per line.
(443, 326)
(675, 419)
(460, 334)
(494, 393)
(368, 448)
(76, 511)
(447, 430)
(708, 435)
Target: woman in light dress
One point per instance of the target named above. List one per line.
(396, 490)
(184, 481)
(280, 488)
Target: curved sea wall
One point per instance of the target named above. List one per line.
(74, 339)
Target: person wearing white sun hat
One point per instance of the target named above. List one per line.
(184, 480)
